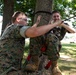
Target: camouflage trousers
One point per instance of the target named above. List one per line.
(7, 67)
(52, 44)
(10, 71)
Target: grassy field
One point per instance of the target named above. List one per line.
(67, 61)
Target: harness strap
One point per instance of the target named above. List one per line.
(43, 12)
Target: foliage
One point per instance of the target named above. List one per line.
(74, 24)
(67, 8)
(1, 7)
(27, 6)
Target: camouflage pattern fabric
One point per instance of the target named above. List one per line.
(11, 49)
(36, 45)
(52, 50)
(52, 40)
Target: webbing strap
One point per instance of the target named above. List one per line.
(43, 12)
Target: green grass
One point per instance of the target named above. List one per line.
(69, 49)
(68, 65)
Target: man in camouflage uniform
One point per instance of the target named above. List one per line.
(12, 42)
(12, 46)
(51, 40)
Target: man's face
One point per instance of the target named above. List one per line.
(56, 16)
(22, 19)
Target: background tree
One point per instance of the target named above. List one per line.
(8, 10)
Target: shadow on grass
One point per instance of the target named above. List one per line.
(68, 65)
(69, 49)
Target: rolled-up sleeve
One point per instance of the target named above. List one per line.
(23, 30)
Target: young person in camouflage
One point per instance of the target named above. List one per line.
(51, 41)
(12, 42)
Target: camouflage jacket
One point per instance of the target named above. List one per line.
(59, 32)
(11, 47)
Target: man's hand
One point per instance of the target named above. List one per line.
(51, 21)
(37, 21)
(59, 22)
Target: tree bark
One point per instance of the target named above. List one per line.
(44, 5)
(7, 12)
(43, 8)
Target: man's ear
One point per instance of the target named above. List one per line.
(17, 19)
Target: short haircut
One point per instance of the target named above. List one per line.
(55, 11)
(16, 14)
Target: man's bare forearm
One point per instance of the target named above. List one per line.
(38, 31)
(71, 30)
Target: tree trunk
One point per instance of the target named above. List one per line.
(7, 12)
(43, 8)
(46, 6)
